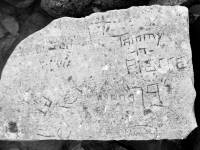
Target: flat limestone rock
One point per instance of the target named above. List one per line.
(122, 74)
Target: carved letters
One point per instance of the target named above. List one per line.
(127, 39)
(135, 67)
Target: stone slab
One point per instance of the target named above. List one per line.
(122, 74)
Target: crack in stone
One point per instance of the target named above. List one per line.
(89, 33)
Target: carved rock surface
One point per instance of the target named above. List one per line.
(122, 74)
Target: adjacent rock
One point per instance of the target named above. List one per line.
(123, 74)
(3, 31)
(11, 25)
(60, 8)
(168, 2)
(60, 145)
(32, 145)
(100, 145)
(5, 43)
(195, 9)
(33, 23)
(81, 8)
(7, 8)
(20, 3)
(105, 5)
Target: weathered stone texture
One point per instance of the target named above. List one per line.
(123, 74)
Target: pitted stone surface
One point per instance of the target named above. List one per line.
(122, 74)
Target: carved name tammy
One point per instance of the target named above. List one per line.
(122, 74)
